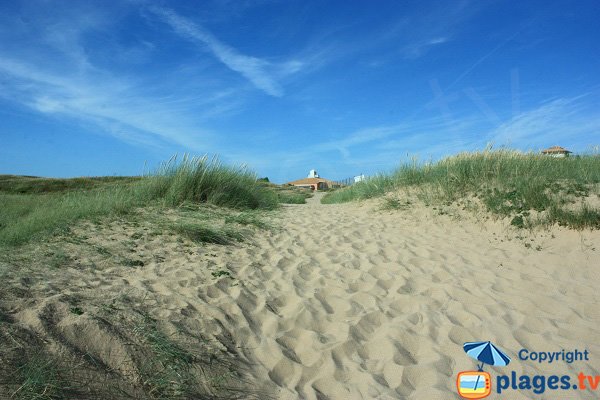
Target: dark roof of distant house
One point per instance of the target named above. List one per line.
(556, 150)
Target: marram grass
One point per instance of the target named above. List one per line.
(24, 217)
(509, 183)
(199, 179)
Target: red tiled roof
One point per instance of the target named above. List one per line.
(555, 149)
(311, 181)
(308, 181)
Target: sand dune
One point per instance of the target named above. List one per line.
(350, 302)
(345, 302)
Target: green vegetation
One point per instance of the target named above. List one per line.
(173, 365)
(220, 273)
(583, 218)
(40, 379)
(11, 184)
(199, 233)
(24, 217)
(288, 194)
(132, 263)
(33, 207)
(169, 372)
(508, 183)
(374, 187)
(58, 259)
(292, 195)
(292, 198)
(391, 203)
(200, 180)
(247, 218)
(183, 203)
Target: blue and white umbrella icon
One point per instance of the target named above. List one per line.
(487, 353)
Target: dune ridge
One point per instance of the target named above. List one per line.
(347, 301)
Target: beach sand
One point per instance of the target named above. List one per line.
(346, 302)
(351, 302)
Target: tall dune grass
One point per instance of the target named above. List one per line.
(507, 182)
(203, 180)
(198, 179)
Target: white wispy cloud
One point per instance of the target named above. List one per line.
(437, 40)
(374, 149)
(430, 27)
(259, 72)
(115, 105)
(53, 72)
(58, 70)
(419, 47)
(564, 121)
(370, 147)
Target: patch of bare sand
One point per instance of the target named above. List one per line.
(350, 302)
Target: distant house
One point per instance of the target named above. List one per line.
(556, 151)
(314, 182)
(359, 178)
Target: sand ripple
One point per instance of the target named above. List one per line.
(346, 302)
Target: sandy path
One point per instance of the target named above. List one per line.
(345, 302)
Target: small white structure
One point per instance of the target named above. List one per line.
(313, 174)
(359, 178)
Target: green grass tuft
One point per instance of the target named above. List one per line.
(291, 198)
(201, 233)
(168, 374)
(27, 217)
(13, 184)
(583, 218)
(391, 203)
(247, 218)
(374, 187)
(509, 183)
(40, 379)
(200, 180)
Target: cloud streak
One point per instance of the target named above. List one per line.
(563, 120)
(430, 27)
(417, 48)
(117, 107)
(55, 72)
(256, 70)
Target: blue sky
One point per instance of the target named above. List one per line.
(344, 87)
